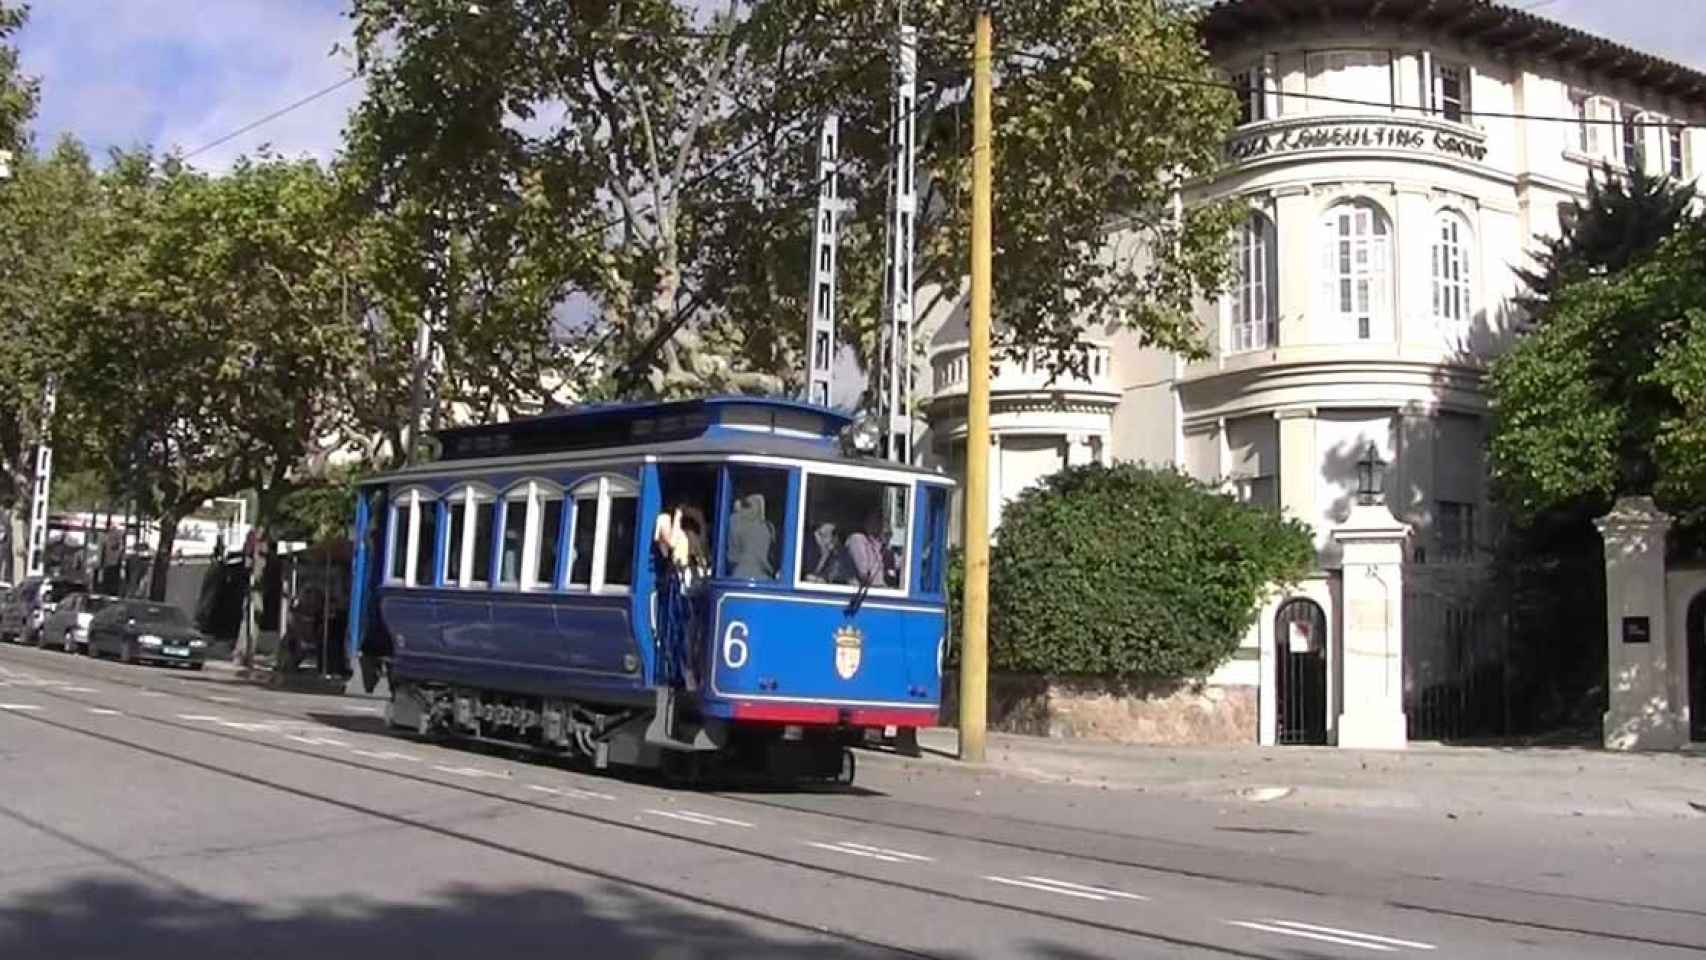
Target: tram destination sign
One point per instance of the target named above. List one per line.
(1353, 136)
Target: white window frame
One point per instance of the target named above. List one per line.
(406, 507)
(538, 493)
(1631, 137)
(522, 495)
(601, 491)
(1256, 247)
(465, 498)
(1376, 243)
(905, 481)
(1250, 85)
(1676, 151)
(1453, 272)
(1461, 72)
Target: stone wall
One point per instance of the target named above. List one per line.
(1121, 711)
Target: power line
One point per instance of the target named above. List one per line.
(297, 105)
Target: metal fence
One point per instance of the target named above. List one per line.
(1456, 654)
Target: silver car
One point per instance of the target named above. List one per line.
(68, 625)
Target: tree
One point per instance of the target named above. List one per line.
(18, 93)
(678, 155)
(1625, 216)
(1133, 571)
(1578, 406)
(44, 211)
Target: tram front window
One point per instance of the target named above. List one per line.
(855, 532)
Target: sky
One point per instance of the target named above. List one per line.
(184, 73)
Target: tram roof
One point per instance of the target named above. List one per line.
(709, 426)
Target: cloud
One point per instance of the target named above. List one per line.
(171, 74)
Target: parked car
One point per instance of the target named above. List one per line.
(69, 624)
(30, 604)
(141, 630)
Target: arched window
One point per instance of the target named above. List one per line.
(412, 538)
(468, 515)
(1356, 264)
(603, 531)
(1254, 302)
(1451, 275)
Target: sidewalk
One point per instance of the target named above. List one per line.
(1550, 781)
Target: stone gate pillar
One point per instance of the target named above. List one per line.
(1372, 662)
(1645, 707)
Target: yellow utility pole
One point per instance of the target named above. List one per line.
(974, 642)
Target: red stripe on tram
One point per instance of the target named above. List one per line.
(805, 713)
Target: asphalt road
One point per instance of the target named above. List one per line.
(147, 812)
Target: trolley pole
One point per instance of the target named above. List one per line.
(974, 638)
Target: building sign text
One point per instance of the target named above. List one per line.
(1351, 136)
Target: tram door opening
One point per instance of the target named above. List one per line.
(1697, 668)
(1300, 652)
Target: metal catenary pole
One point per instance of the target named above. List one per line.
(974, 643)
(826, 232)
(44, 477)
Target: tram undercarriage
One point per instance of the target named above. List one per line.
(678, 742)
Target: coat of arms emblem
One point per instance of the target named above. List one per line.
(849, 649)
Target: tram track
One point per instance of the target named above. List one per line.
(941, 833)
(1155, 937)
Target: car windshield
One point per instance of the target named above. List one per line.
(157, 614)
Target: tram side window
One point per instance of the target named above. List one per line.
(757, 498)
(481, 573)
(455, 524)
(550, 541)
(427, 539)
(584, 539)
(692, 489)
(619, 545)
(399, 538)
(855, 532)
(514, 538)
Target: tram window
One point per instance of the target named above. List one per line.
(399, 539)
(757, 497)
(935, 539)
(514, 538)
(692, 489)
(550, 540)
(482, 534)
(455, 522)
(584, 538)
(426, 540)
(855, 532)
(619, 546)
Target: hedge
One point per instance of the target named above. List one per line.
(1131, 570)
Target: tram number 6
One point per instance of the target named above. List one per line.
(734, 645)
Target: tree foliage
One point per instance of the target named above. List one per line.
(1625, 216)
(676, 152)
(18, 93)
(1131, 570)
(1592, 403)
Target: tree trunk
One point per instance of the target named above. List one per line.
(19, 530)
(160, 570)
(266, 506)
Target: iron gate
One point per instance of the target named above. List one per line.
(1300, 651)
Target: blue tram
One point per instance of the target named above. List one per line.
(659, 585)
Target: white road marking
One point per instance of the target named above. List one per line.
(19, 706)
(574, 792)
(81, 690)
(1414, 945)
(1048, 889)
(201, 717)
(316, 741)
(875, 853)
(700, 819)
(1064, 885)
(103, 712)
(352, 708)
(386, 755)
(1344, 938)
(471, 772)
(250, 727)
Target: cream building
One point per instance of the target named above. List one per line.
(1399, 159)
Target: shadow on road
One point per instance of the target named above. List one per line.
(110, 917)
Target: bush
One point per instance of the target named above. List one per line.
(1133, 571)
